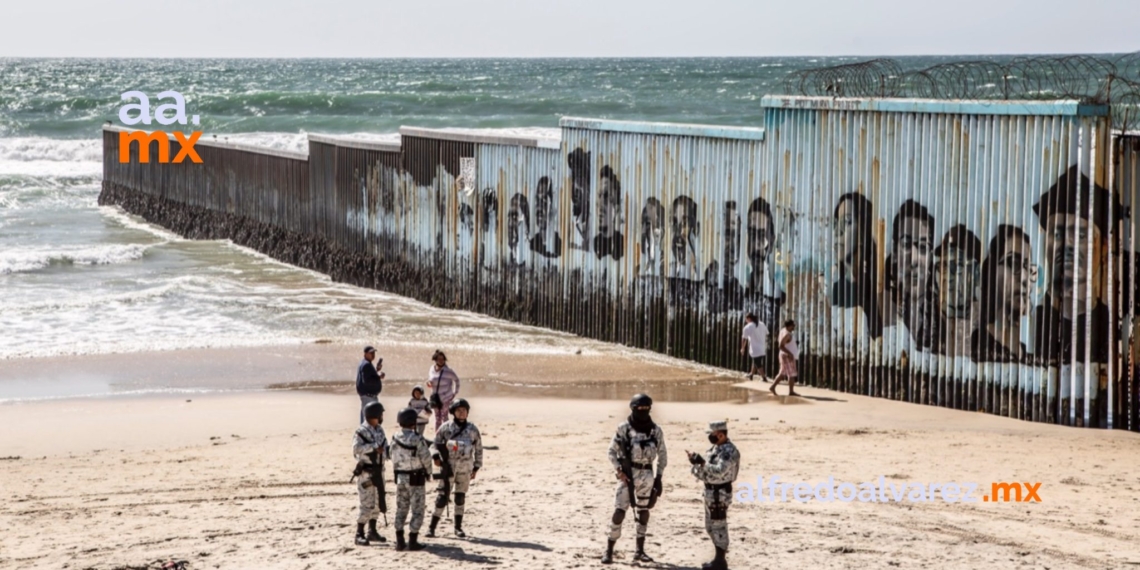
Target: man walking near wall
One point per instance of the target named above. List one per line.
(368, 379)
(754, 340)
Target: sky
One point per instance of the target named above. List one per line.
(576, 28)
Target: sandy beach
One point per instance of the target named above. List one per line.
(260, 479)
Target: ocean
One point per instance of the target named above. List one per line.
(79, 279)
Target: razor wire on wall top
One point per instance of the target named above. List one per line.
(1102, 80)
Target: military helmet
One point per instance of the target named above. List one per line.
(640, 400)
(373, 410)
(407, 418)
(460, 403)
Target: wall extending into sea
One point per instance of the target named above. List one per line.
(979, 255)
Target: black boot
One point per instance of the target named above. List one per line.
(415, 544)
(640, 556)
(361, 540)
(718, 563)
(459, 527)
(608, 557)
(374, 536)
(400, 544)
(431, 527)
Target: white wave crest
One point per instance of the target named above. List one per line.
(45, 157)
(137, 223)
(23, 260)
(31, 149)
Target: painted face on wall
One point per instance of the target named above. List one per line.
(467, 218)
(609, 203)
(543, 197)
(731, 236)
(912, 256)
(684, 228)
(958, 276)
(654, 224)
(845, 236)
(517, 224)
(1068, 256)
(580, 175)
(1015, 277)
(652, 231)
(759, 238)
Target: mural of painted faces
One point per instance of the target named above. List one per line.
(1067, 242)
(730, 294)
(765, 296)
(1008, 275)
(546, 241)
(908, 270)
(959, 260)
(466, 219)
(856, 283)
(686, 232)
(580, 176)
(954, 289)
(610, 240)
(518, 228)
(731, 238)
(652, 234)
(1075, 217)
(761, 237)
(489, 211)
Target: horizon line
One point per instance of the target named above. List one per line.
(565, 57)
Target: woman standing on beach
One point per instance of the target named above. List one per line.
(444, 384)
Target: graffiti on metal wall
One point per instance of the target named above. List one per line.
(547, 241)
(913, 248)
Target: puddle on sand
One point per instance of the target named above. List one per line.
(704, 390)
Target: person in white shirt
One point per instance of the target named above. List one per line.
(755, 341)
(789, 352)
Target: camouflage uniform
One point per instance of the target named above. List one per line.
(718, 472)
(366, 441)
(411, 459)
(465, 455)
(644, 447)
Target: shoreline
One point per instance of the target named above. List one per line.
(261, 369)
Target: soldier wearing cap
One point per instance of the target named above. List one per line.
(717, 469)
(956, 279)
(1076, 219)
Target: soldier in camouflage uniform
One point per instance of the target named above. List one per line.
(717, 469)
(460, 449)
(637, 443)
(370, 447)
(411, 459)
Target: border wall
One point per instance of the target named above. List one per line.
(979, 255)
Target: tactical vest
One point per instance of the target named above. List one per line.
(404, 456)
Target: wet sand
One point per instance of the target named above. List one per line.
(260, 480)
(315, 366)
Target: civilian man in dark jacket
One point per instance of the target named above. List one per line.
(368, 379)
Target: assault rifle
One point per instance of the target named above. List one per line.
(627, 468)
